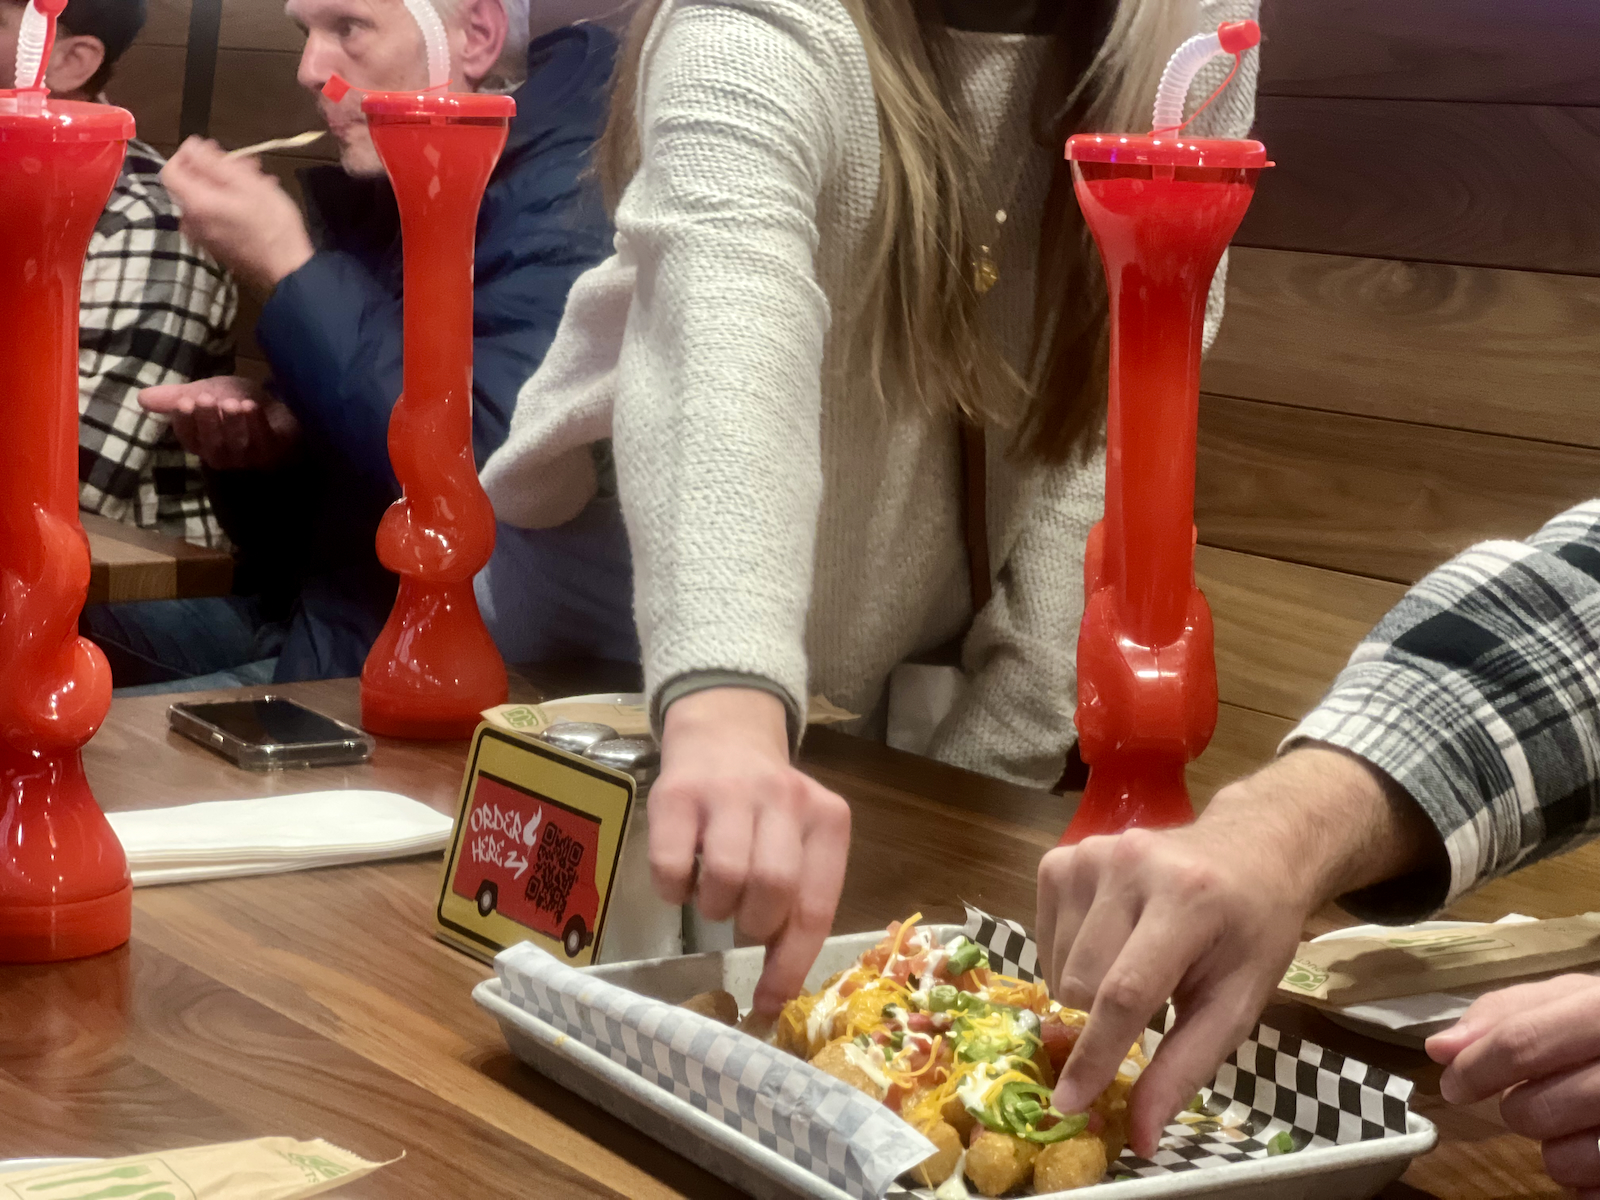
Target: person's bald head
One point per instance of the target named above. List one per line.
(375, 45)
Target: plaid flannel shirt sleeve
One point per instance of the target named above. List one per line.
(155, 309)
(1480, 695)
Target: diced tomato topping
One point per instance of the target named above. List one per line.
(847, 986)
(921, 1022)
(1058, 1039)
(973, 980)
(896, 1096)
(902, 968)
(881, 1036)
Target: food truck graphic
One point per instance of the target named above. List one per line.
(531, 859)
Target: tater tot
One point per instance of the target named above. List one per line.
(998, 1162)
(1074, 1163)
(791, 1028)
(834, 1058)
(1113, 1108)
(936, 1168)
(956, 1115)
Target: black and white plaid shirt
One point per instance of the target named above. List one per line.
(156, 309)
(1480, 695)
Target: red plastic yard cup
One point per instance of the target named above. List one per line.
(434, 667)
(64, 885)
(1162, 210)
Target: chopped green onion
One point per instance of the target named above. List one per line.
(943, 997)
(897, 1040)
(1281, 1143)
(863, 1041)
(1197, 1105)
(966, 955)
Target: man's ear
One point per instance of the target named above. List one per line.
(483, 33)
(73, 63)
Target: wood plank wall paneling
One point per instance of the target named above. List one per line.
(257, 97)
(167, 23)
(1474, 50)
(1511, 352)
(1284, 630)
(148, 83)
(1386, 499)
(1244, 740)
(1497, 185)
(259, 25)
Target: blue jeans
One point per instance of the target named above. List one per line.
(551, 595)
(157, 646)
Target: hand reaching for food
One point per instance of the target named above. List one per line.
(771, 842)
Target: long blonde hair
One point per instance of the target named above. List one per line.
(919, 318)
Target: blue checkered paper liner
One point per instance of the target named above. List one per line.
(810, 1118)
(1272, 1083)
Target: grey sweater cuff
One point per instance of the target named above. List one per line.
(699, 681)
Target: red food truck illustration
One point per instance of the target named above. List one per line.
(533, 860)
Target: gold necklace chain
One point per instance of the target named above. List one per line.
(985, 271)
(985, 268)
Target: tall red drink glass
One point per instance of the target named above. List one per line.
(434, 667)
(1162, 210)
(64, 885)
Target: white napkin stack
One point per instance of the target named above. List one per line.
(276, 833)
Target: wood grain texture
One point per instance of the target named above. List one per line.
(1432, 50)
(1496, 185)
(190, 1060)
(149, 84)
(167, 23)
(259, 25)
(257, 97)
(1245, 741)
(1371, 497)
(1284, 630)
(1512, 352)
(140, 564)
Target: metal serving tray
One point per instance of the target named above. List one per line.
(1348, 1172)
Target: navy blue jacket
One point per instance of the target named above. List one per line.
(332, 333)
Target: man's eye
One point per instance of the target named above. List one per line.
(348, 28)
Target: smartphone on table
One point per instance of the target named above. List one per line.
(270, 734)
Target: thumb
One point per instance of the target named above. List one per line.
(163, 398)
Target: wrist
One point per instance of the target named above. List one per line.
(286, 260)
(750, 716)
(1330, 820)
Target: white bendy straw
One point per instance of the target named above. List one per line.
(34, 40)
(1232, 37)
(433, 36)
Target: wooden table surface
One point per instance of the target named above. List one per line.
(140, 564)
(318, 1004)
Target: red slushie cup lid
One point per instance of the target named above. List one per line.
(64, 121)
(1172, 150)
(434, 103)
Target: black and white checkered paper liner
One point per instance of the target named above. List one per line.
(810, 1118)
(1271, 1084)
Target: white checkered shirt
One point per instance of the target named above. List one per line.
(1480, 695)
(156, 309)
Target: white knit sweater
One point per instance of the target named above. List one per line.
(783, 525)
